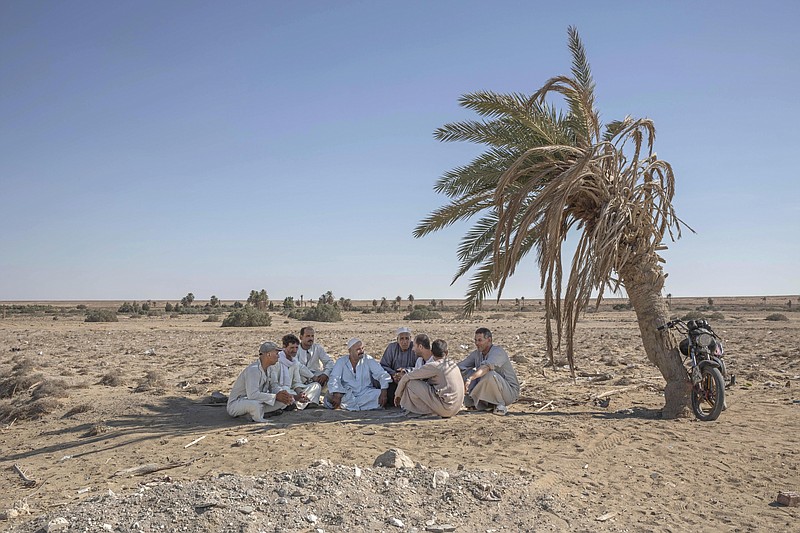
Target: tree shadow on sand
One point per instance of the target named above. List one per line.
(175, 416)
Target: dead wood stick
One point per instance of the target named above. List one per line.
(545, 406)
(276, 434)
(149, 469)
(28, 482)
(195, 441)
(617, 391)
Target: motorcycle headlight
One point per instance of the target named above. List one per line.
(704, 340)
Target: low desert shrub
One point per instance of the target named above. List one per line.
(777, 317)
(101, 315)
(78, 409)
(212, 318)
(320, 313)
(152, 380)
(112, 379)
(422, 313)
(247, 317)
(51, 388)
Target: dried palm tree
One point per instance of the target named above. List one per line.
(548, 174)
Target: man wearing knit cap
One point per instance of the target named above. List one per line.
(257, 390)
(398, 358)
(351, 386)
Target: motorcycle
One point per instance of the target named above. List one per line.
(703, 350)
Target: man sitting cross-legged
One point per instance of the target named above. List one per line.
(434, 388)
(256, 391)
(351, 385)
(289, 376)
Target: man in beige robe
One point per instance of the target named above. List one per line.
(489, 377)
(434, 388)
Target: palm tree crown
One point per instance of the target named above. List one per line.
(548, 171)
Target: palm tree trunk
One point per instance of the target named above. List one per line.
(643, 279)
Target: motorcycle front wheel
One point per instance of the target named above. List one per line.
(708, 396)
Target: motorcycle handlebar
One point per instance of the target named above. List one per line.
(670, 324)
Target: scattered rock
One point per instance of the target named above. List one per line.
(394, 458)
(57, 524)
(240, 442)
(440, 477)
(790, 499)
(440, 528)
(218, 397)
(396, 522)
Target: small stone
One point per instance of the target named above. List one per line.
(108, 527)
(312, 518)
(240, 442)
(247, 509)
(321, 462)
(440, 478)
(394, 458)
(357, 472)
(57, 524)
(790, 499)
(282, 501)
(396, 522)
(441, 528)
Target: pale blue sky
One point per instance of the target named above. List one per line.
(149, 149)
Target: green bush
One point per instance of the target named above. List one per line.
(422, 313)
(320, 313)
(101, 315)
(776, 317)
(247, 317)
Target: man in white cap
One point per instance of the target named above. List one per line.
(398, 358)
(257, 389)
(351, 385)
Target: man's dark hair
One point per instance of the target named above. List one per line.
(439, 348)
(423, 340)
(485, 332)
(304, 328)
(291, 338)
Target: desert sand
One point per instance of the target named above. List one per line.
(136, 392)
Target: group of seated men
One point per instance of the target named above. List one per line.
(416, 375)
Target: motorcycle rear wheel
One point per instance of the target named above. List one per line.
(708, 396)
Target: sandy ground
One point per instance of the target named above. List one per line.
(618, 468)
